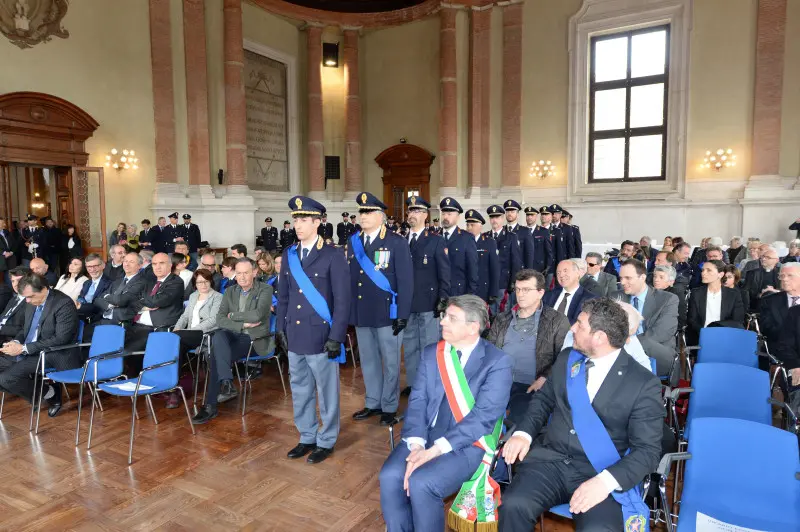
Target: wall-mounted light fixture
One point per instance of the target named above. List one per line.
(722, 158)
(330, 54)
(542, 169)
(122, 160)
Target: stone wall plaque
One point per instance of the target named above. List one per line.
(265, 83)
(29, 22)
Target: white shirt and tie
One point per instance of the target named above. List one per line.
(144, 315)
(448, 233)
(442, 443)
(413, 236)
(565, 294)
(306, 250)
(369, 238)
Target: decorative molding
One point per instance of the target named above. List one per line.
(599, 17)
(364, 20)
(27, 23)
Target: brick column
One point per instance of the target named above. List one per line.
(448, 107)
(316, 170)
(352, 135)
(163, 92)
(480, 37)
(235, 110)
(194, 38)
(512, 93)
(770, 42)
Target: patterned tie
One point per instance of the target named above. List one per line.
(794, 299)
(589, 365)
(562, 307)
(152, 293)
(494, 235)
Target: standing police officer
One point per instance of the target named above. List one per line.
(556, 241)
(523, 234)
(509, 252)
(382, 287)
(343, 229)
(287, 237)
(191, 235)
(172, 233)
(542, 248)
(577, 240)
(269, 235)
(460, 249)
(431, 287)
(488, 261)
(566, 231)
(313, 309)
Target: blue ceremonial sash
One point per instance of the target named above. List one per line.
(271, 282)
(375, 275)
(597, 444)
(311, 294)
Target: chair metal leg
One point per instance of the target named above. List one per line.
(66, 392)
(2, 403)
(186, 406)
(150, 406)
(197, 374)
(134, 415)
(95, 396)
(134, 409)
(391, 437)
(41, 394)
(245, 386)
(33, 399)
(91, 424)
(80, 403)
(280, 372)
(662, 489)
(352, 351)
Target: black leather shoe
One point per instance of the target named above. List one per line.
(406, 391)
(54, 403)
(367, 412)
(301, 449)
(227, 391)
(387, 418)
(319, 454)
(206, 414)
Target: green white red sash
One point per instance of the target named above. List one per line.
(475, 506)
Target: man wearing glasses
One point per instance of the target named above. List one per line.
(98, 286)
(594, 269)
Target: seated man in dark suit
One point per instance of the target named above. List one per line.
(788, 351)
(244, 316)
(50, 320)
(660, 312)
(96, 287)
(603, 436)
(588, 282)
(794, 253)
(117, 303)
(13, 318)
(40, 267)
(159, 306)
(439, 452)
(567, 298)
(763, 280)
(667, 279)
(113, 268)
(775, 307)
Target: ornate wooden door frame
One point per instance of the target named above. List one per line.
(406, 166)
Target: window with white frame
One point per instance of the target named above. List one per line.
(628, 88)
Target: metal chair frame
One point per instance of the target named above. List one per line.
(247, 384)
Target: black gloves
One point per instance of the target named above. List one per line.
(398, 326)
(492, 300)
(441, 306)
(281, 345)
(333, 348)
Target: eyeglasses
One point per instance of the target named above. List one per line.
(592, 264)
(453, 319)
(209, 265)
(525, 291)
(93, 266)
(198, 282)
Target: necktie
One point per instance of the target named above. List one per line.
(459, 355)
(589, 365)
(494, 235)
(152, 293)
(366, 241)
(34, 324)
(90, 293)
(446, 236)
(413, 239)
(122, 286)
(305, 254)
(635, 303)
(794, 300)
(562, 307)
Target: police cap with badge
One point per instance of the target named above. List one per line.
(449, 204)
(544, 209)
(174, 215)
(495, 210)
(474, 217)
(530, 209)
(301, 206)
(368, 203)
(512, 205)
(415, 203)
(187, 216)
(555, 208)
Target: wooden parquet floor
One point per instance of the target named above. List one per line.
(232, 475)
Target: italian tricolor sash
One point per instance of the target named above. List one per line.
(475, 506)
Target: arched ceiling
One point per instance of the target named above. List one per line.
(356, 6)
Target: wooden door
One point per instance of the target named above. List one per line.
(89, 208)
(5, 195)
(406, 172)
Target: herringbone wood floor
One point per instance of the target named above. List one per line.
(232, 475)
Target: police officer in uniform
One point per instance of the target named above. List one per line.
(344, 229)
(382, 287)
(326, 229)
(191, 235)
(577, 240)
(313, 310)
(436, 229)
(509, 252)
(460, 249)
(488, 260)
(171, 233)
(542, 248)
(431, 287)
(556, 241)
(287, 237)
(523, 234)
(566, 231)
(269, 235)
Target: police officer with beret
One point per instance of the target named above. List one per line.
(488, 261)
(460, 249)
(313, 311)
(382, 286)
(431, 287)
(509, 252)
(523, 234)
(269, 235)
(542, 248)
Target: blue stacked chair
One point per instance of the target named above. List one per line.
(728, 345)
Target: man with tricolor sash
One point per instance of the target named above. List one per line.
(602, 439)
(452, 425)
(312, 316)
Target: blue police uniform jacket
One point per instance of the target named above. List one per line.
(543, 250)
(306, 332)
(577, 241)
(370, 304)
(559, 246)
(431, 272)
(191, 235)
(488, 267)
(569, 240)
(463, 255)
(526, 245)
(509, 256)
(169, 235)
